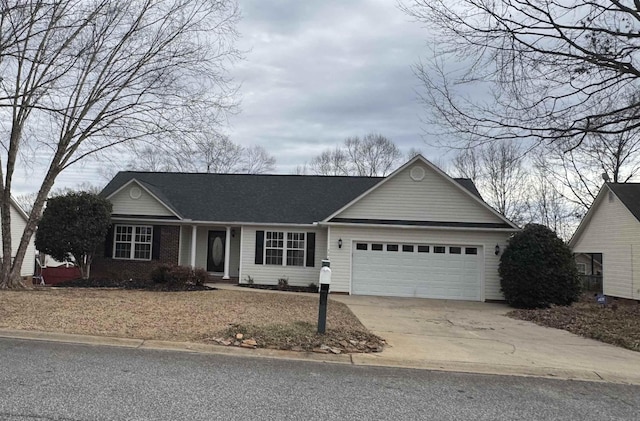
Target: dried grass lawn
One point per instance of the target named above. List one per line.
(172, 316)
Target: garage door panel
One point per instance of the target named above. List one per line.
(413, 274)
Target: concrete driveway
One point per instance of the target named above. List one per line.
(478, 337)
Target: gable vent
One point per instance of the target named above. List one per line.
(417, 173)
(135, 192)
(611, 196)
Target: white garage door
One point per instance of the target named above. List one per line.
(417, 270)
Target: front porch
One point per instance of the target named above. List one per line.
(212, 247)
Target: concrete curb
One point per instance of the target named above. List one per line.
(373, 360)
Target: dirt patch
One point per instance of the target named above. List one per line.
(301, 336)
(282, 321)
(616, 324)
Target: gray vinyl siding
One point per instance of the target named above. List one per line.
(269, 274)
(341, 257)
(614, 232)
(146, 204)
(432, 199)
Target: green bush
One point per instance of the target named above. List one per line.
(179, 274)
(537, 270)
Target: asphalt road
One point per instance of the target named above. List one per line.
(50, 381)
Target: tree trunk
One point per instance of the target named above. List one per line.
(13, 282)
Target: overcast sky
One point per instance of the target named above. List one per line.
(314, 73)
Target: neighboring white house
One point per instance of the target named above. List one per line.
(416, 233)
(612, 227)
(18, 223)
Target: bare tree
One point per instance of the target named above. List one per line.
(370, 156)
(499, 172)
(145, 157)
(467, 164)
(205, 152)
(546, 71)
(413, 152)
(331, 162)
(257, 160)
(580, 170)
(549, 205)
(220, 155)
(300, 169)
(81, 77)
(373, 155)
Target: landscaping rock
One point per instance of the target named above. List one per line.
(250, 342)
(239, 336)
(320, 351)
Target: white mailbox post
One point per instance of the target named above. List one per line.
(325, 281)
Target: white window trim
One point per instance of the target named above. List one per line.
(284, 248)
(132, 242)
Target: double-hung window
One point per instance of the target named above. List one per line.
(274, 248)
(133, 242)
(295, 249)
(291, 252)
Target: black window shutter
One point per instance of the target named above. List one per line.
(155, 246)
(108, 242)
(311, 249)
(259, 246)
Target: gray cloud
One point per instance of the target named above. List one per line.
(314, 74)
(341, 69)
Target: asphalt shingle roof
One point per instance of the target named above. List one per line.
(629, 194)
(297, 199)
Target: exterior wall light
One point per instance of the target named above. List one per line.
(340, 243)
(497, 249)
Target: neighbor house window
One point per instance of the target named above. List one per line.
(582, 268)
(133, 242)
(291, 252)
(295, 249)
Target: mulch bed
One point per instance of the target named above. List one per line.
(288, 288)
(133, 284)
(617, 323)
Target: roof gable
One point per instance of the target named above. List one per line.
(627, 193)
(419, 193)
(19, 209)
(139, 198)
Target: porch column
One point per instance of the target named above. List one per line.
(194, 231)
(227, 251)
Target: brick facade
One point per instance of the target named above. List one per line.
(106, 267)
